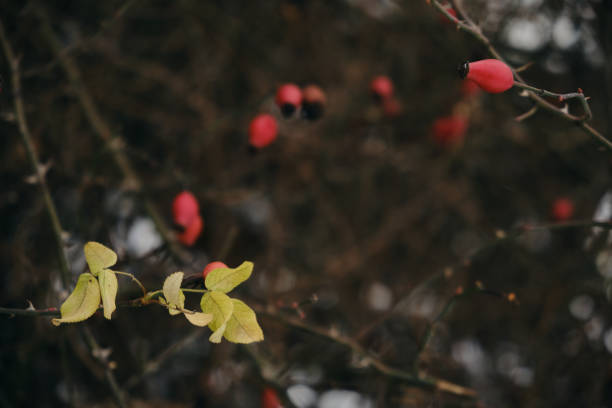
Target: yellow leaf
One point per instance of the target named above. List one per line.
(199, 319)
(99, 257)
(173, 293)
(82, 302)
(108, 290)
(226, 279)
(242, 326)
(220, 306)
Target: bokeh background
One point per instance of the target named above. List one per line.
(361, 208)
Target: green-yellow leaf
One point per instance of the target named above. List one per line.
(82, 302)
(173, 293)
(99, 257)
(218, 334)
(220, 306)
(108, 290)
(226, 279)
(242, 326)
(199, 319)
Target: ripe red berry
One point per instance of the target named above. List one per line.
(562, 209)
(449, 131)
(185, 209)
(211, 266)
(492, 75)
(313, 102)
(381, 87)
(269, 398)
(262, 130)
(192, 231)
(288, 99)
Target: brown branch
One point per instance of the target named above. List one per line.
(50, 206)
(533, 93)
(24, 131)
(412, 378)
(112, 141)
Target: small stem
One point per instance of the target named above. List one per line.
(144, 290)
(28, 312)
(195, 290)
(562, 97)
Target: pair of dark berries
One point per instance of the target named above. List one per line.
(311, 101)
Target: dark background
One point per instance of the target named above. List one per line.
(334, 207)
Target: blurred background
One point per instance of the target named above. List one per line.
(366, 221)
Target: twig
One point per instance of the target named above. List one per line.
(406, 376)
(443, 313)
(113, 142)
(108, 373)
(79, 43)
(24, 131)
(57, 228)
(470, 27)
(154, 365)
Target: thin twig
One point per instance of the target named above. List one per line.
(473, 29)
(24, 131)
(113, 142)
(406, 376)
(81, 42)
(108, 372)
(50, 206)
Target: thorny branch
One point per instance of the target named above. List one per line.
(535, 94)
(113, 141)
(24, 131)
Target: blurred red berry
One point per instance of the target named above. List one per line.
(185, 209)
(288, 99)
(381, 87)
(392, 107)
(469, 88)
(262, 130)
(449, 131)
(212, 266)
(313, 102)
(269, 398)
(492, 75)
(562, 209)
(450, 11)
(191, 233)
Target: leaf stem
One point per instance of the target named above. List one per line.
(144, 290)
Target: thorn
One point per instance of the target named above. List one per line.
(565, 109)
(500, 234)
(448, 272)
(524, 93)
(479, 285)
(30, 306)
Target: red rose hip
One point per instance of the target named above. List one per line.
(449, 131)
(212, 266)
(269, 399)
(185, 209)
(491, 75)
(381, 87)
(562, 209)
(288, 99)
(262, 130)
(191, 233)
